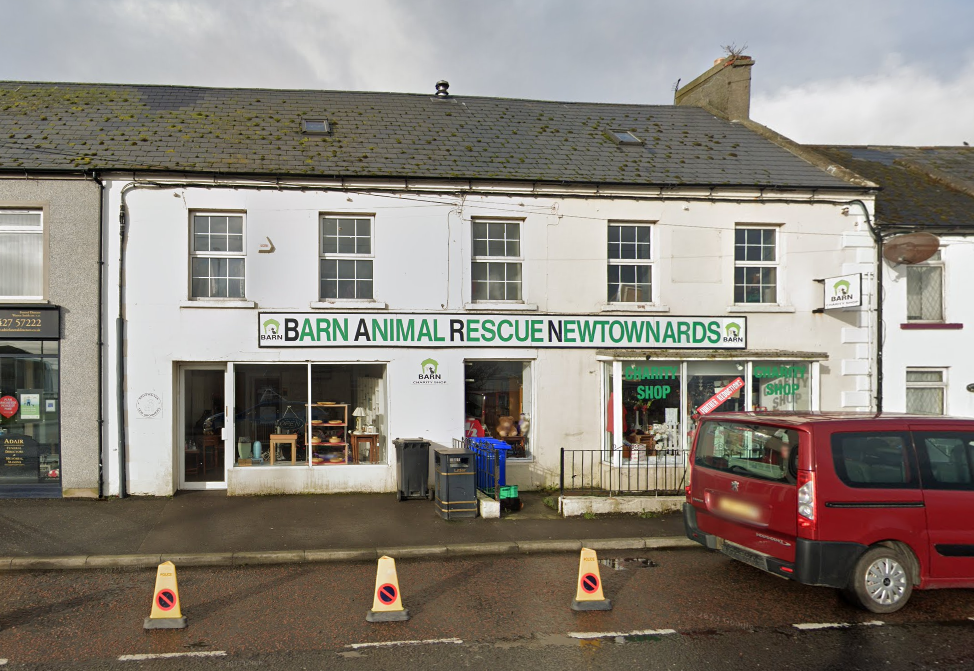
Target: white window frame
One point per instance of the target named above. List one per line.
(346, 256)
(941, 385)
(42, 233)
(194, 254)
(936, 262)
(505, 259)
(649, 263)
(775, 264)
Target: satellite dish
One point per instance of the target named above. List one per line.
(910, 248)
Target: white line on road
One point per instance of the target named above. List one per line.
(2, 662)
(169, 655)
(808, 626)
(617, 634)
(392, 644)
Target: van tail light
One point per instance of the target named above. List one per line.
(806, 503)
(689, 480)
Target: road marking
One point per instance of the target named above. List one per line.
(617, 634)
(170, 655)
(810, 626)
(392, 644)
(3, 662)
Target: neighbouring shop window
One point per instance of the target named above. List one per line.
(346, 258)
(496, 263)
(781, 385)
(497, 397)
(217, 256)
(925, 290)
(926, 390)
(650, 409)
(630, 263)
(203, 423)
(30, 440)
(755, 265)
(21, 254)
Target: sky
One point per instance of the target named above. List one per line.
(826, 72)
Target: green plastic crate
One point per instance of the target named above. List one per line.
(509, 492)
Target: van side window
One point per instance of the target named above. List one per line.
(752, 450)
(945, 459)
(873, 459)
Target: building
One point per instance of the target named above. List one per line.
(930, 190)
(293, 263)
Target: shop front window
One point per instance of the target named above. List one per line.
(781, 385)
(347, 415)
(270, 409)
(30, 441)
(706, 378)
(650, 408)
(497, 397)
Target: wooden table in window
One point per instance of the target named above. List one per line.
(284, 439)
(517, 445)
(370, 440)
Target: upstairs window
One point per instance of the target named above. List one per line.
(21, 254)
(345, 264)
(217, 251)
(496, 263)
(630, 263)
(925, 290)
(755, 265)
(926, 389)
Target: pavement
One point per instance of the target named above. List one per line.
(209, 528)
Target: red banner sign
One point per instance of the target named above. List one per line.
(721, 396)
(8, 406)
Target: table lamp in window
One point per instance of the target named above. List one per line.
(358, 414)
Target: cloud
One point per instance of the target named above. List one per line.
(902, 104)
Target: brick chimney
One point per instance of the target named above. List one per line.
(724, 88)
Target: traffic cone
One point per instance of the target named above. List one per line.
(588, 595)
(387, 604)
(165, 612)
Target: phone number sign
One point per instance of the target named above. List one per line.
(30, 324)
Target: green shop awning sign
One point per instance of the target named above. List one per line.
(301, 329)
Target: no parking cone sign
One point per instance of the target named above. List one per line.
(165, 612)
(588, 595)
(387, 604)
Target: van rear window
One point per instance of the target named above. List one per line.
(874, 459)
(752, 450)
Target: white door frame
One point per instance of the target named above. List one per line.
(184, 368)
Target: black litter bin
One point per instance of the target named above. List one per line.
(456, 482)
(412, 468)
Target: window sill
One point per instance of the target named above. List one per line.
(759, 307)
(348, 305)
(931, 326)
(633, 307)
(487, 306)
(217, 304)
(19, 300)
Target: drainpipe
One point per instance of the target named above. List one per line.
(120, 350)
(101, 339)
(878, 238)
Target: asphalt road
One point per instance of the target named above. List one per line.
(673, 610)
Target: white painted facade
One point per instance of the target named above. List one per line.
(422, 251)
(935, 346)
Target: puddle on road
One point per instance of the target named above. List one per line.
(629, 563)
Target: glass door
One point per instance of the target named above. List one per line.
(202, 433)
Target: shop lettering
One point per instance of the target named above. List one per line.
(773, 372)
(781, 388)
(651, 373)
(646, 393)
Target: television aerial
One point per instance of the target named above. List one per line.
(910, 248)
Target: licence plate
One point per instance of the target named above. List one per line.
(737, 508)
(742, 554)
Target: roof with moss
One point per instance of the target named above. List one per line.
(922, 187)
(55, 127)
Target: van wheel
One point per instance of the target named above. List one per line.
(880, 581)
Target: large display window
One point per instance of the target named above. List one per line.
(30, 440)
(497, 397)
(309, 414)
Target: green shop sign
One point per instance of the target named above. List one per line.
(299, 329)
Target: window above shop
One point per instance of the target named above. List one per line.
(756, 260)
(217, 256)
(21, 254)
(496, 261)
(925, 290)
(346, 258)
(630, 263)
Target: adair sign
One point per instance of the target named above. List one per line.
(298, 329)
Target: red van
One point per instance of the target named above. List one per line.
(874, 505)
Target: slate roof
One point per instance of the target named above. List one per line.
(922, 187)
(395, 135)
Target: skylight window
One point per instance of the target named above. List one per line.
(315, 126)
(624, 137)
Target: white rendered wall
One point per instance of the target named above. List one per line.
(422, 260)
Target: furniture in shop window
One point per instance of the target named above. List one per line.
(517, 445)
(193, 460)
(329, 433)
(284, 439)
(211, 448)
(369, 441)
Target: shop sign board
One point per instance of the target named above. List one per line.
(844, 291)
(30, 323)
(302, 329)
(19, 456)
